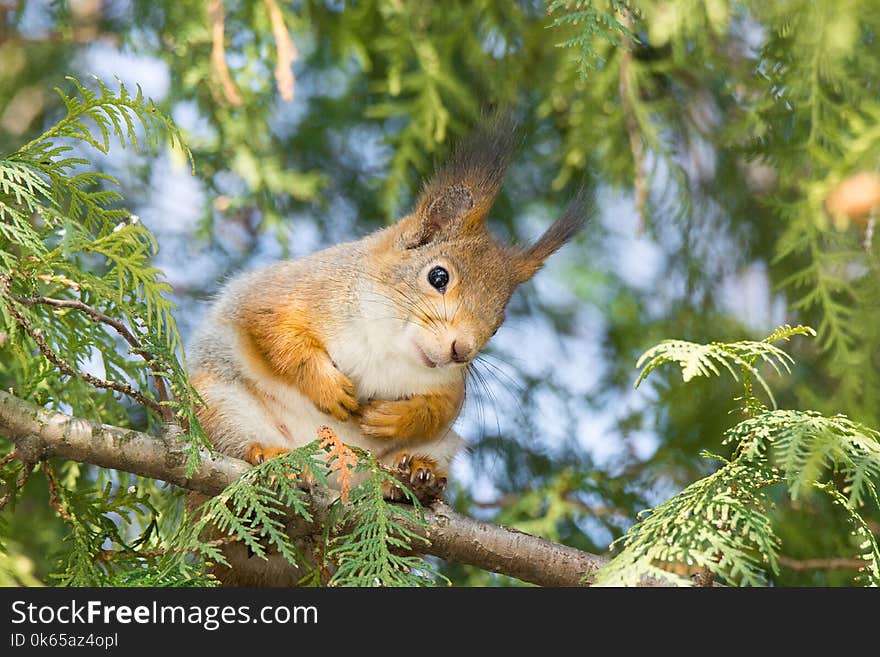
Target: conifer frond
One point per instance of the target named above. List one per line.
(786, 332)
(869, 551)
(64, 237)
(719, 522)
(373, 553)
(806, 447)
(595, 23)
(254, 508)
(131, 120)
(99, 546)
(722, 522)
(708, 360)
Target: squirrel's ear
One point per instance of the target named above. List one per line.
(459, 195)
(563, 229)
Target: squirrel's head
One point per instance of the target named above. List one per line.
(448, 275)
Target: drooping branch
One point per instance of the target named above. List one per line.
(39, 339)
(286, 51)
(218, 53)
(120, 327)
(40, 433)
(627, 101)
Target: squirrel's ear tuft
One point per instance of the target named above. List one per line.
(460, 194)
(563, 229)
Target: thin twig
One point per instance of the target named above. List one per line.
(122, 329)
(285, 49)
(218, 53)
(832, 563)
(20, 481)
(632, 128)
(6, 459)
(37, 336)
(53, 492)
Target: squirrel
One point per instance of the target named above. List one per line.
(372, 337)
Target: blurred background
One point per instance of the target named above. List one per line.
(708, 135)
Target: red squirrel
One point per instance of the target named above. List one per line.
(373, 337)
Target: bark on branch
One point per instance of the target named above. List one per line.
(40, 433)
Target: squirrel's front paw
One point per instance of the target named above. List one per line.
(385, 419)
(255, 453)
(421, 475)
(404, 419)
(334, 393)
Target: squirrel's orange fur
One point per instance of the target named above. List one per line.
(373, 337)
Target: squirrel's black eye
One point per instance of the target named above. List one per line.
(438, 278)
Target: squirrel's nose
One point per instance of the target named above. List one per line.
(461, 351)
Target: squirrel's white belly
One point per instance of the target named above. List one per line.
(281, 416)
(290, 420)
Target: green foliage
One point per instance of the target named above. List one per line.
(254, 508)
(722, 522)
(705, 359)
(594, 22)
(76, 268)
(806, 447)
(368, 554)
(831, 133)
(719, 523)
(736, 118)
(364, 537)
(869, 574)
(97, 547)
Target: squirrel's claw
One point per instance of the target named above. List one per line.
(256, 453)
(421, 475)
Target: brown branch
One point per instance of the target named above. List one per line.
(63, 365)
(218, 53)
(832, 563)
(21, 480)
(54, 502)
(122, 329)
(285, 50)
(632, 128)
(40, 433)
(65, 368)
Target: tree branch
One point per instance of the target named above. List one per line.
(65, 368)
(627, 100)
(285, 51)
(122, 329)
(830, 563)
(218, 53)
(39, 433)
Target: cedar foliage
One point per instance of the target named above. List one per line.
(722, 523)
(730, 123)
